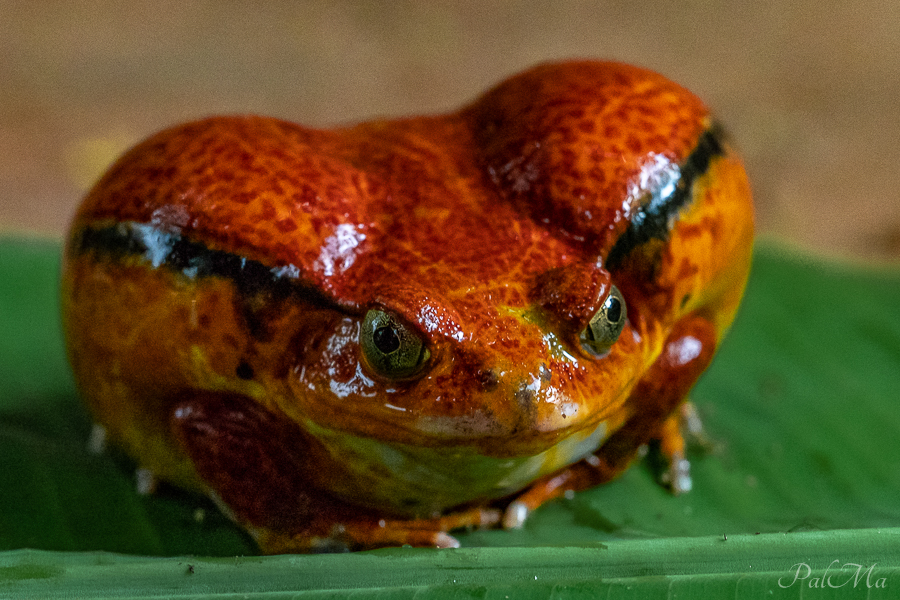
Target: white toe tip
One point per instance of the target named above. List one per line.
(145, 481)
(97, 441)
(515, 516)
(445, 540)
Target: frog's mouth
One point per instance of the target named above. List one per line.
(422, 480)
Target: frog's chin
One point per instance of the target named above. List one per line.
(419, 480)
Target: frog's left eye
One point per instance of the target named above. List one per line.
(605, 326)
(390, 347)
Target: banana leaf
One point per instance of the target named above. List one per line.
(796, 484)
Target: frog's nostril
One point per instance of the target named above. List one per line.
(525, 399)
(489, 379)
(545, 373)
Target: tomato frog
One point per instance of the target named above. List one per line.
(375, 334)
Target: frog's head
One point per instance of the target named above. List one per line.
(509, 366)
(485, 276)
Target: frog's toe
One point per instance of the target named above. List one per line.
(676, 471)
(366, 535)
(145, 481)
(515, 515)
(368, 532)
(426, 539)
(678, 476)
(691, 424)
(475, 518)
(96, 444)
(484, 517)
(445, 540)
(431, 532)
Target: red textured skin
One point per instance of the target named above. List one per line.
(276, 192)
(487, 230)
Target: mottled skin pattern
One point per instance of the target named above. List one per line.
(485, 231)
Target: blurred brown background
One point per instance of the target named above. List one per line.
(810, 89)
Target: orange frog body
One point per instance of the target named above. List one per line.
(373, 335)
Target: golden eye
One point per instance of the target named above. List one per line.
(606, 325)
(391, 348)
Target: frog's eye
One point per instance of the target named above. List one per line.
(391, 348)
(605, 326)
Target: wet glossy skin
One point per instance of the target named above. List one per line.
(221, 279)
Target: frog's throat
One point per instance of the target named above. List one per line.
(419, 481)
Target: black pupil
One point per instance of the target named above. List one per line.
(613, 310)
(386, 339)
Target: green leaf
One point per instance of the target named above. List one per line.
(746, 566)
(800, 408)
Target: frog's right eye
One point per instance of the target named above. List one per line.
(391, 348)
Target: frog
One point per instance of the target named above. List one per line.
(379, 333)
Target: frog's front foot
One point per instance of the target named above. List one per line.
(589, 472)
(675, 470)
(366, 533)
